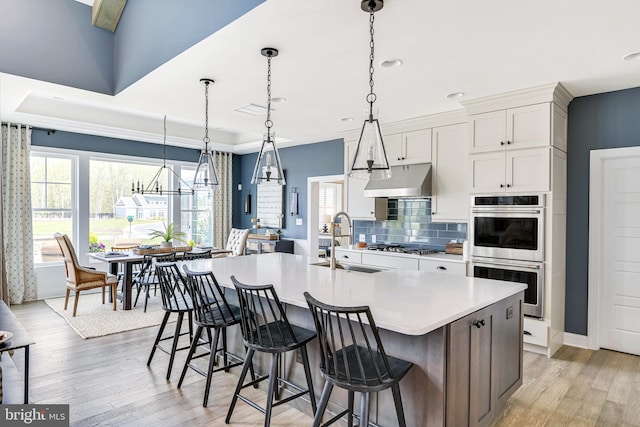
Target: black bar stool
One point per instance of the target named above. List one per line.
(211, 311)
(147, 278)
(174, 300)
(187, 256)
(266, 329)
(353, 358)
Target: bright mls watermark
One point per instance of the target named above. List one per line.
(34, 415)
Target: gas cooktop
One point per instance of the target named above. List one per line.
(397, 248)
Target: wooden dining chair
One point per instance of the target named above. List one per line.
(81, 278)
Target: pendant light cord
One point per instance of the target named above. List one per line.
(371, 97)
(164, 143)
(206, 117)
(268, 123)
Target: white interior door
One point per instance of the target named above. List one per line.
(620, 262)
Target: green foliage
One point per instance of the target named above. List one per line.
(169, 233)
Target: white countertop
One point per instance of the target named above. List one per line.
(409, 302)
(436, 256)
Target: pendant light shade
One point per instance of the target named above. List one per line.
(268, 167)
(206, 176)
(370, 159)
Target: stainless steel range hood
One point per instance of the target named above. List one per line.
(405, 181)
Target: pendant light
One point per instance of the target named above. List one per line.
(206, 176)
(155, 186)
(370, 159)
(268, 168)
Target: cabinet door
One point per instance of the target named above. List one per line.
(470, 371)
(417, 146)
(508, 325)
(487, 131)
(358, 206)
(390, 261)
(450, 200)
(394, 146)
(528, 170)
(487, 172)
(529, 126)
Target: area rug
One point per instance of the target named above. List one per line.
(95, 319)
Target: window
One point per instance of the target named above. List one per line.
(330, 198)
(115, 214)
(53, 202)
(196, 212)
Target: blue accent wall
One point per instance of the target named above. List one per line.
(151, 32)
(299, 163)
(608, 120)
(54, 41)
(102, 144)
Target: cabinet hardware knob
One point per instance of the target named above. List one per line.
(508, 142)
(345, 256)
(508, 185)
(399, 158)
(433, 213)
(501, 185)
(440, 267)
(479, 323)
(526, 333)
(501, 142)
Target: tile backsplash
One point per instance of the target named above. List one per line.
(409, 221)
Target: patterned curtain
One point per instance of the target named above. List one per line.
(17, 231)
(222, 199)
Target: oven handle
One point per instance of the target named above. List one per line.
(507, 265)
(506, 211)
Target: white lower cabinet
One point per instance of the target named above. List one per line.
(536, 332)
(436, 266)
(347, 256)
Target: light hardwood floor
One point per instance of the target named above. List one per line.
(106, 383)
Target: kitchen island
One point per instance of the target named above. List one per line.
(464, 335)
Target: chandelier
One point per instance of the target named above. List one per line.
(155, 185)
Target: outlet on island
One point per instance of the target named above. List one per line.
(361, 238)
(373, 238)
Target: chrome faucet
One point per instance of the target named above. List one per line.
(333, 236)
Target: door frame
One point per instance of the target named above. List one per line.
(597, 159)
(313, 204)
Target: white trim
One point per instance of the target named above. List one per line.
(312, 209)
(575, 340)
(595, 235)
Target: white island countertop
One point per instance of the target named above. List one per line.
(408, 302)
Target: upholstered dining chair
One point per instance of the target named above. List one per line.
(236, 241)
(81, 278)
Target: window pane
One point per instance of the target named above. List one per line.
(58, 170)
(117, 215)
(58, 196)
(196, 218)
(52, 204)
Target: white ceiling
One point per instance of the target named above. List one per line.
(479, 48)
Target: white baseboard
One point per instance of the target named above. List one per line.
(575, 340)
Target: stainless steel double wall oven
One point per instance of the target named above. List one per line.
(507, 243)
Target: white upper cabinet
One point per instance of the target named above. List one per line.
(512, 171)
(408, 148)
(513, 128)
(358, 206)
(450, 174)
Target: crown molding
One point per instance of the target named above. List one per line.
(552, 92)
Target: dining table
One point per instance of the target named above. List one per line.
(128, 259)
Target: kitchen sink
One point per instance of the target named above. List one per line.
(349, 267)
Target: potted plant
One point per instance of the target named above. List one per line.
(169, 233)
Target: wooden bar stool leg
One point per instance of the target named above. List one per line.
(248, 362)
(307, 374)
(158, 337)
(324, 400)
(395, 389)
(271, 389)
(192, 350)
(364, 409)
(174, 345)
(212, 358)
